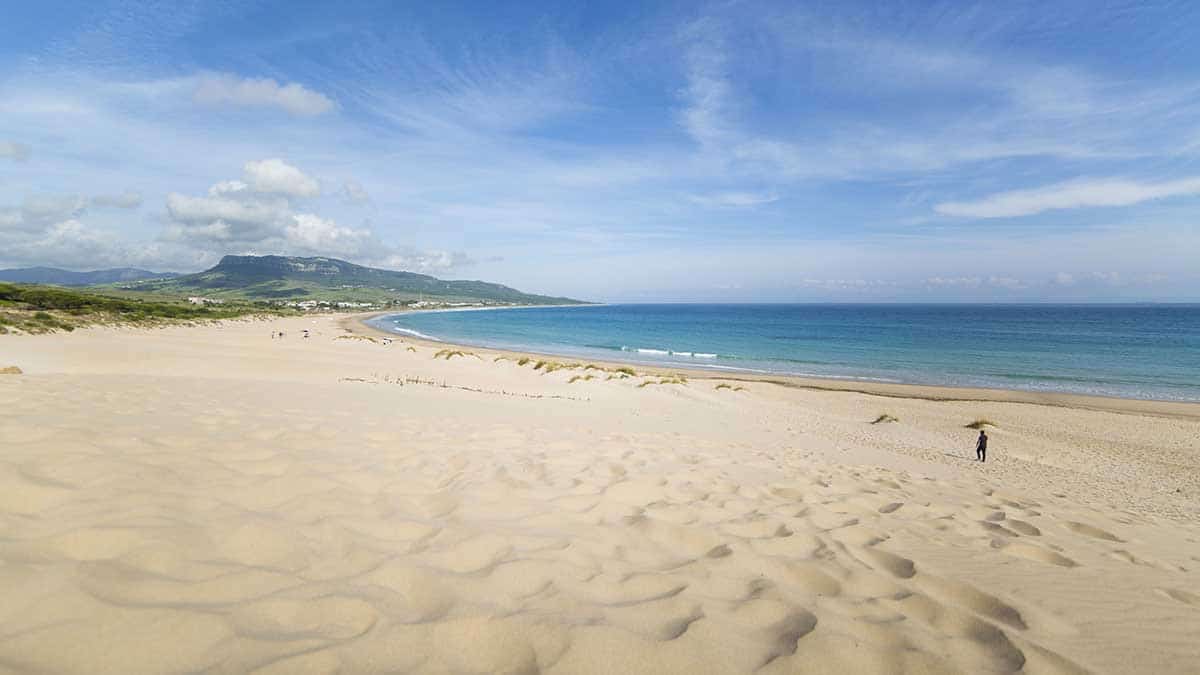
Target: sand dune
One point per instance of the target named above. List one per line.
(209, 499)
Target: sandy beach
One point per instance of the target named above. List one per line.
(211, 499)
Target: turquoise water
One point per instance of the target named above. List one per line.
(1130, 351)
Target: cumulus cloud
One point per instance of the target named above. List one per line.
(313, 233)
(224, 89)
(126, 200)
(256, 208)
(257, 214)
(277, 176)
(39, 211)
(1069, 195)
(18, 152)
(75, 245)
(225, 218)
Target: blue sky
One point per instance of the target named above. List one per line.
(735, 151)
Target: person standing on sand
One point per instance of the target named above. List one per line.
(981, 447)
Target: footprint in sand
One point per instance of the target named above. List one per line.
(1180, 596)
(1024, 528)
(1091, 531)
(1038, 554)
(892, 563)
(969, 597)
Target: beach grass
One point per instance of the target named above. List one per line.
(730, 387)
(981, 423)
(678, 379)
(885, 418)
(451, 353)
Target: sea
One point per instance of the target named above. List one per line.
(1127, 351)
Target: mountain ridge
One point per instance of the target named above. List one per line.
(320, 277)
(55, 276)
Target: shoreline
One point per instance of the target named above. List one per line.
(357, 323)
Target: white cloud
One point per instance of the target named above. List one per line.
(1008, 283)
(859, 285)
(709, 94)
(1069, 195)
(735, 199)
(954, 282)
(125, 200)
(75, 245)
(18, 152)
(429, 262)
(325, 237)
(40, 210)
(256, 215)
(227, 187)
(227, 219)
(277, 176)
(227, 89)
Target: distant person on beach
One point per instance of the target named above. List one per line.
(981, 447)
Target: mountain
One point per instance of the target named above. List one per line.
(57, 277)
(284, 277)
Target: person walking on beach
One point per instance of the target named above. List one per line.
(981, 447)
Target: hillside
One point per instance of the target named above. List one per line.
(30, 309)
(274, 277)
(59, 277)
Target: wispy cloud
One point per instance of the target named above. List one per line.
(296, 99)
(828, 144)
(1069, 195)
(735, 199)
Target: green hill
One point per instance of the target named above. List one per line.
(273, 277)
(59, 277)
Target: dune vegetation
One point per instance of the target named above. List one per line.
(47, 309)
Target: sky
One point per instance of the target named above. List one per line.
(621, 152)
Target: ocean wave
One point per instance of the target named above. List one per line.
(417, 334)
(669, 352)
